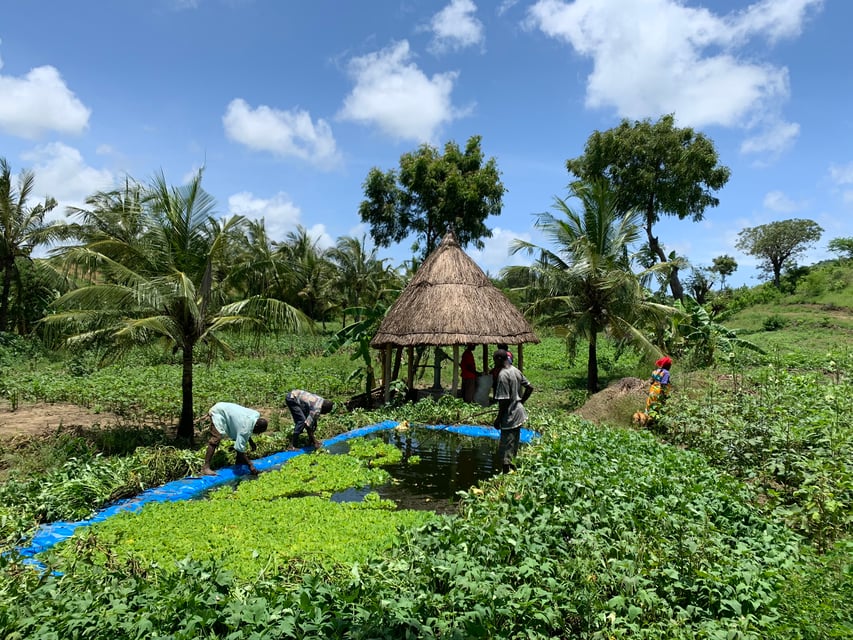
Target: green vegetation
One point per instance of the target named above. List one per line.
(259, 527)
(431, 191)
(729, 517)
(658, 169)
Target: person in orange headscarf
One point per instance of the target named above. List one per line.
(660, 386)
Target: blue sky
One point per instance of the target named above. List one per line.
(288, 105)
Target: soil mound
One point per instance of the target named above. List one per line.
(616, 402)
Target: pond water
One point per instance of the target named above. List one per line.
(448, 462)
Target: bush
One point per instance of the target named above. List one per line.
(774, 322)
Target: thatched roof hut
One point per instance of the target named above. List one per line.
(451, 302)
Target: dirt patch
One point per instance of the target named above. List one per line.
(617, 402)
(40, 418)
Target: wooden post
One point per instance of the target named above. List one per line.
(386, 373)
(455, 369)
(520, 358)
(410, 373)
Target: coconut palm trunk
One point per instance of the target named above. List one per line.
(185, 425)
(8, 267)
(592, 365)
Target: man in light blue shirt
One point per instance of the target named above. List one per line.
(238, 423)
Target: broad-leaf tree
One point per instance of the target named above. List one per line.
(586, 279)
(725, 266)
(842, 246)
(657, 169)
(778, 244)
(431, 191)
(163, 284)
(22, 228)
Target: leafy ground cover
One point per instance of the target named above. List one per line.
(259, 527)
(602, 533)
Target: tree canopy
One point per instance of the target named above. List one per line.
(586, 283)
(163, 282)
(842, 246)
(725, 266)
(658, 169)
(22, 227)
(778, 243)
(431, 191)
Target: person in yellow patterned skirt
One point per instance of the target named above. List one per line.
(660, 386)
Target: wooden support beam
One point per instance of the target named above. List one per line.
(386, 373)
(455, 369)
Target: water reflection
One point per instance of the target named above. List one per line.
(448, 463)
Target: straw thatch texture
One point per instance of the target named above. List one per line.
(451, 301)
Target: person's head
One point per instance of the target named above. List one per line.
(500, 358)
(327, 407)
(470, 346)
(504, 347)
(664, 363)
(261, 425)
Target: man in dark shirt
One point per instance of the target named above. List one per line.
(511, 412)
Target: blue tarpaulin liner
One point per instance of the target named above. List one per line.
(53, 533)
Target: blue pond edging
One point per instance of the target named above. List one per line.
(53, 533)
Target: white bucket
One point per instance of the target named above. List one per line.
(481, 391)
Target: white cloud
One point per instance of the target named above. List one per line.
(280, 214)
(455, 27)
(841, 174)
(319, 233)
(779, 202)
(506, 5)
(39, 102)
(774, 139)
(393, 94)
(284, 133)
(496, 255)
(62, 173)
(658, 56)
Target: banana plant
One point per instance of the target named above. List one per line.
(695, 333)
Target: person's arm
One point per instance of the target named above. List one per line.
(528, 389)
(313, 415)
(242, 458)
(252, 445)
(503, 407)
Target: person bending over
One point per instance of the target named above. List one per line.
(238, 423)
(305, 408)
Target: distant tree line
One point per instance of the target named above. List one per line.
(152, 262)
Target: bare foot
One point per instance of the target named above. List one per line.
(207, 471)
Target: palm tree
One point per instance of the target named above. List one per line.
(22, 228)
(165, 283)
(586, 283)
(311, 274)
(361, 277)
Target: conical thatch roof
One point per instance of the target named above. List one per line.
(451, 301)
